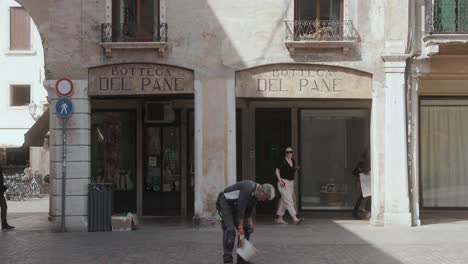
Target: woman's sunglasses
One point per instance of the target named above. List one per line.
(287, 152)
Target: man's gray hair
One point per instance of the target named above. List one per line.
(269, 189)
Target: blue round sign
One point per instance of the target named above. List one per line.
(64, 107)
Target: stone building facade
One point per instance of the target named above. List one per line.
(174, 100)
(23, 99)
(436, 95)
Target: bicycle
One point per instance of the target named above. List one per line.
(36, 188)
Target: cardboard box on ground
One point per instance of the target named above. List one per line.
(124, 222)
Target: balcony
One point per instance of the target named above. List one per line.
(446, 23)
(132, 36)
(325, 34)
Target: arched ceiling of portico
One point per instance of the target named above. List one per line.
(61, 34)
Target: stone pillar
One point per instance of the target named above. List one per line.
(78, 164)
(215, 144)
(396, 210)
(377, 149)
(419, 67)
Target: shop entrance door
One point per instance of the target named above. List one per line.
(272, 136)
(161, 171)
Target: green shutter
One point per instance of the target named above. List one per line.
(462, 16)
(448, 15)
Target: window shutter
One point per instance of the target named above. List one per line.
(20, 29)
(448, 15)
(462, 16)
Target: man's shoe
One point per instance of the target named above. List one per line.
(356, 215)
(7, 227)
(242, 261)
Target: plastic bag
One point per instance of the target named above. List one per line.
(366, 187)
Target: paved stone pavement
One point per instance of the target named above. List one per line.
(32, 205)
(171, 241)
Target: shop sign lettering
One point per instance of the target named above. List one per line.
(305, 81)
(314, 80)
(134, 79)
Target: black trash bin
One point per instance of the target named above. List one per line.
(100, 204)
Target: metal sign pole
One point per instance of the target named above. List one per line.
(64, 168)
(63, 109)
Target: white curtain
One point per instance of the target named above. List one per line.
(444, 155)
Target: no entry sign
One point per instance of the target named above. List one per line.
(64, 87)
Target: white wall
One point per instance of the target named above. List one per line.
(18, 67)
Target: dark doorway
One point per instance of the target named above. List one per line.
(272, 135)
(161, 189)
(191, 165)
(239, 175)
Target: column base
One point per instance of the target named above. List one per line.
(376, 222)
(205, 221)
(72, 223)
(397, 219)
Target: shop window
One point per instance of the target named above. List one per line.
(113, 149)
(135, 20)
(450, 16)
(20, 29)
(332, 142)
(20, 95)
(444, 152)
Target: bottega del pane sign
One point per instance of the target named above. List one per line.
(136, 79)
(303, 81)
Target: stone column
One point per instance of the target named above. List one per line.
(396, 210)
(78, 164)
(377, 144)
(215, 144)
(419, 67)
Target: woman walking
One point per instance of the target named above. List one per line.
(285, 175)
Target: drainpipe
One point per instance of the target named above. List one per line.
(412, 179)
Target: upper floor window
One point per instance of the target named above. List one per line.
(20, 95)
(20, 29)
(318, 9)
(135, 20)
(321, 24)
(450, 16)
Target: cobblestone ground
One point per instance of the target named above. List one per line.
(170, 241)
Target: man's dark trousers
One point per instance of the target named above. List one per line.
(3, 207)
(229, 224)
(360, 199)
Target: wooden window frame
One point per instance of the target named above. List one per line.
(12, 42)
(317, 8)
(15, 86)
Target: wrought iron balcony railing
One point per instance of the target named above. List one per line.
(129, 33)
(324, 30)
(447, 16)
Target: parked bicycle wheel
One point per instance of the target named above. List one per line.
(36, 190)
(25, 191)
